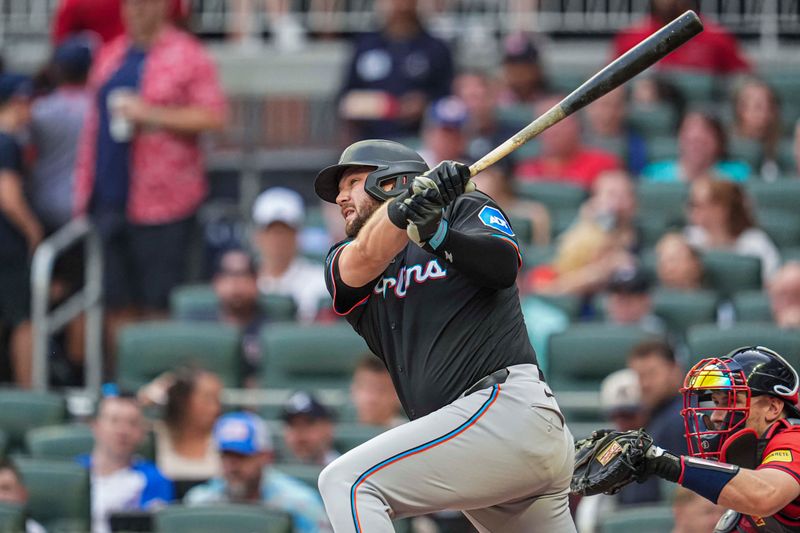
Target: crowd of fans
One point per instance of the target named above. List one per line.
(111, 128)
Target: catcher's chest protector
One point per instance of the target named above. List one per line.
(732, 521)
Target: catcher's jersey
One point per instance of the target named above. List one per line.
(437, 331)
(783, 453)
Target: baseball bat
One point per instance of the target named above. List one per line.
(625, 67)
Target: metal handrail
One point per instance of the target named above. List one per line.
(88, 300)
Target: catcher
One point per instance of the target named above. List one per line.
(743, 433)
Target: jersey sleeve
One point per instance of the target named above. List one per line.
(783, 453)
(477, 214)
(345, 298)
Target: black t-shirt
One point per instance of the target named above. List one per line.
(12, 242)
(437, 330)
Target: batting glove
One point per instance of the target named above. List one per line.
(451, 179)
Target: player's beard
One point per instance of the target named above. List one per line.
(363, 213)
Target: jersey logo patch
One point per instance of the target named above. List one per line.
(494, 218)
(779, 456)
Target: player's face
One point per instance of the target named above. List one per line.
(355, 203)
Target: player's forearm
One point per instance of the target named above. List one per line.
(490, 261)
(378, 242)
(752, 492)
(187, 120)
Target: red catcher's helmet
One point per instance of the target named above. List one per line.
(713, 384)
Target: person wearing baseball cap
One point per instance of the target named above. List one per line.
(278, 216)
(629, 301)
(308, 429)
(523, 77)
(443, 131)
(245, 443)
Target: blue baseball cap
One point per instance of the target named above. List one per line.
(242, 433)
(12, 85)
(74, 55)
(448, 112)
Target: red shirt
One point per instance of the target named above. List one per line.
(102, 17)
(714, 50)
(167, 178)
(581, 170)
(783, 453)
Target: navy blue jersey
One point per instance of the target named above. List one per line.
(12, 242)
(437, 330)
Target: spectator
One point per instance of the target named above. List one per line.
(757, 117)
(56, 123)
(660, 378)
(101, 17)
(721, 219)
(245, 444)
(373, 394)
(796, 148)
(693, 513)
(523, 77)
(12, 490)
(606, 129)
(20, 231)
(784, 295)
(278, 214)
(678, 264)
(119, 480)
(563, 157)
(394, 73)
(613, 206)
(235, 284)
(308, 430)
(443, 135)
(652, 90)
(714, 51)
(185, 449)
(629, 302)
(483, 130)
(140, 169)
(702, 148)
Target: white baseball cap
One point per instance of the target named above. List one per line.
(620, 391)
(279, 204)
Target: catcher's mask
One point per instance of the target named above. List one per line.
(711, 389)
(394, 168)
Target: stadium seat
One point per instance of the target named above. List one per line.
(664, 200)
(516, 115)
(299, 356)
(3, 443)
(230, 518)
(652, 227)
(653, 120)
(191, 301)
(790, 253)
(786, 158)
(712, 341)
(696, 87)
(555, 196)
(147, 349)
(308, 474)
(67, 441)
(681, 309)
(782, 226)
(533, 256)
(348, 436)
(58, 493)
(570, 304)
(661, 148)
(746, 150)
(23, 410)
(580, 357)
(644, 519)
(781, 194)
(12, 517)
(523, 229)
(728, 272)
(751, 306)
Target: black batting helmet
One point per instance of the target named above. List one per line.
(768, 373)
(391, 160)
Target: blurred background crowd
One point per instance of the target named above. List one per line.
(159, 234)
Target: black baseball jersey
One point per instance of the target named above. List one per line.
(439, 330)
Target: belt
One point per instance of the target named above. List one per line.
(495, 378)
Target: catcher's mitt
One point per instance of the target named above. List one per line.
(608, 460)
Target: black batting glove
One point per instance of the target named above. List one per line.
(451, 179)
(397, 209)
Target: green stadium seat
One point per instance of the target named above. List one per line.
(782, 226)
(533, 256)
(59, 442)
(3, 443)
(523, 229)
(696, 87)
(555, 196)
(712, 341)
(58, 493)
(652, 227)
(580, 357)
(658, 120)
(728, 272)
(148, 349)
(667, 201)
(300, 356)
(782, 194)
(681, 309)
(746, 150)
(308, 474)
(22, 410)
(660, 148)
(566, 80)
(516, 115)
(790, 253)
(190, 301)
(230, 518)
(644, 519)
(751, 306)
(12, 518)
(348, 436)
(570, 304)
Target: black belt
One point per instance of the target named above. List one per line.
(495, 378)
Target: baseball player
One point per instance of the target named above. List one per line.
(427, 277)
(743, 433)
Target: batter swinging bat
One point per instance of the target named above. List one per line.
(612, 76)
